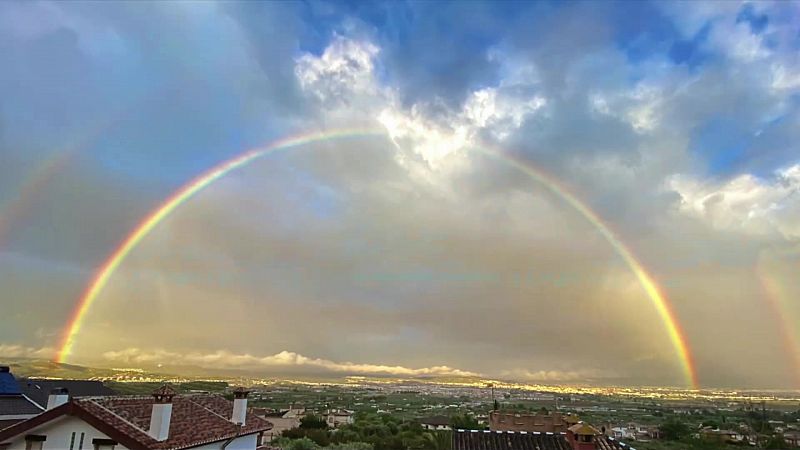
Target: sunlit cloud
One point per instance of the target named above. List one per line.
(284, 359)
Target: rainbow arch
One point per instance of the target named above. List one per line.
(776, 299)
(103, 275)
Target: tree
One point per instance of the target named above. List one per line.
(302, 444)
(313, 422)
(438, 440)
(674, 429)
(351, 446)
(465, 422)
(776, 441)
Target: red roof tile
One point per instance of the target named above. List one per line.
(196, 420)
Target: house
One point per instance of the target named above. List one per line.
(162, 421)
(338, 417)
(283, 420)
(722, 436)
(541, 422)
(437, 423)
(39, 390)
(792, 438)
(14, 405)
(578, 437)
(633, 431)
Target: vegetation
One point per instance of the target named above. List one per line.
(674, 430)
(368, 432)
(146, 388)
(465, 422)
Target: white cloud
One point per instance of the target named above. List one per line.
(343, 78)
(20, 351)
(344, 71)
(227, 360)
(745, 203)
(556, 375)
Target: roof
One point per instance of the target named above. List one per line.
(435, 420)
(196, 420)
(509, 440)
(38, 390)
(583, 429)
(8, 385)
(16, 405)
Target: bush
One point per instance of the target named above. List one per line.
(351, 446)
(302, 444)
(312, 421)
(674, 430)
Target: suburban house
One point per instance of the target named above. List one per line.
(282, 420)
(14, 405)
(577, 437)
(436, 423)
(792, 438)
(161, 421)
(633, 431)
(338, 417)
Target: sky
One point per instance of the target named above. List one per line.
(428, 247)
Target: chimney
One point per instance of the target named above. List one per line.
(162, 413)
(57, 397)
(582, 436)
(239, 405)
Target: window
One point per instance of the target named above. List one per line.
(34, 442)
(103, 444)
(80, 444)
(72, 442)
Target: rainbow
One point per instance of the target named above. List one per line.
(31, 188)
(103, 275)
(13, 211)
(775, 299)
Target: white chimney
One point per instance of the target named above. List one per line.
(239, 405)
(57, 397)
(162, 413)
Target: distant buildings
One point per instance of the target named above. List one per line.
(436, 423)
(162, 421)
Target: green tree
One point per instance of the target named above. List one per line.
(465, 422)
(776, 441)
(351, 446)
(302, 444)
(674, 429)
(312, 421)
(438, 440)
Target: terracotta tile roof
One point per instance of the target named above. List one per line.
(509, 440)
(585, 429)
(196, 420)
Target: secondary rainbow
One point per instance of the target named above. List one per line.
(776, 300)
(103, 275)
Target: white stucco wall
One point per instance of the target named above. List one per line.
(59, 433)
(241, 443)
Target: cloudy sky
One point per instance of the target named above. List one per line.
(420, 249)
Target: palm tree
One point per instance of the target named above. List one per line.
(438, 440)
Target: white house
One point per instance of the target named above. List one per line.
(437, 423)
(160, 422)
(338, 417)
